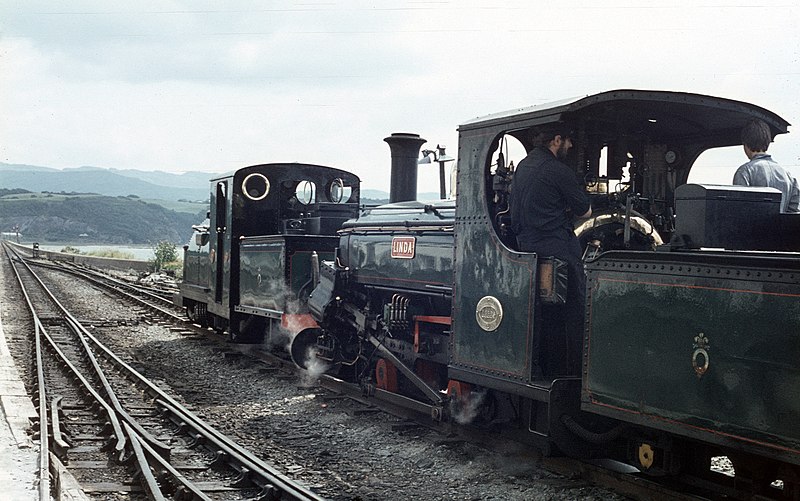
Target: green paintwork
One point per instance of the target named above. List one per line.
(196, 266)
(486, 267)
(276, 270)
(262, 282)
(492, 270)
(369, 256)
(366, 246)
(643, 320)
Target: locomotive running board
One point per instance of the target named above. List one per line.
(396, 401)
(433, 395)
(535, 390)
(261, 312)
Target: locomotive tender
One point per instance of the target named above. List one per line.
(693, 295)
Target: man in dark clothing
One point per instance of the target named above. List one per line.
(545, 198)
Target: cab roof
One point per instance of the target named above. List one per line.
(659, 114)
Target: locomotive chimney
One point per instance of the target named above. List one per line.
(405, 152)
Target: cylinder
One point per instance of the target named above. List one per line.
(405, 152)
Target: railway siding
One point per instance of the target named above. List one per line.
(135, 265)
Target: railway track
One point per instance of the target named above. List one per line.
(117, 432)
(615, 477)
(156, 299)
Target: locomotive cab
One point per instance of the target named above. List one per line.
(632, 151)
(692, 292)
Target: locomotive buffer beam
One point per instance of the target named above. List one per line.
(433, 395)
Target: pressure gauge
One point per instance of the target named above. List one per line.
(670, 156)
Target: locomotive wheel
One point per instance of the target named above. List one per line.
(459, 393)
(471, 406)
(197, 314)
(202, 316)
(191, 313)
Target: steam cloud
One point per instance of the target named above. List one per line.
(315, 367)
(465, 408)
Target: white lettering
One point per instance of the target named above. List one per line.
(403, 247)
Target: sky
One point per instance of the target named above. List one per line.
(216, 85)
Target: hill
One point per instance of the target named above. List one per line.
(148, 185)
(94, 219)
(191, 186)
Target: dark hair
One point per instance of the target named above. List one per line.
(756, 135)
(542, 135)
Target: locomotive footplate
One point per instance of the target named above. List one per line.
(261, 312)
(436, 412)
(538, 390)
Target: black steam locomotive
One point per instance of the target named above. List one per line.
(250, 265)
(693, 293)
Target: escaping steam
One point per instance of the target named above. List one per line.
(314, 367)
(465, 408)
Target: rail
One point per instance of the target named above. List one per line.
(147, 453)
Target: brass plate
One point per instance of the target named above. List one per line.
(489, 313)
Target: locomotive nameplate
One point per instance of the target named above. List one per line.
(403, 247)
(489, 313)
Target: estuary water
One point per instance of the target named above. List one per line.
(142, 252)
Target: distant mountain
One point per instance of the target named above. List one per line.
(123, 182)
(161, 178)
(4, 166)
(369, 196)
(374, 197)
(111, 182)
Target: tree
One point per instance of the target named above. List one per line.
(164, 253)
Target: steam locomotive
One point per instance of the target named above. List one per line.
(690, 345)
(249, 265)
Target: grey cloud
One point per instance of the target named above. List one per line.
(94, 41)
